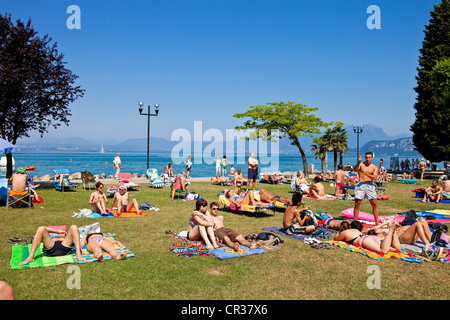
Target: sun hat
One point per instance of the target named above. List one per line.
(122, 187)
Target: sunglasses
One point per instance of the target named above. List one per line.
(214, 208)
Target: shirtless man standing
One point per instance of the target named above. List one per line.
(422, 167)
(367, 172)
(252, 170)
(339, 177)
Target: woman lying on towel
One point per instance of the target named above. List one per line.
(406, 234)
(201, 226)
(96, 242)
(370, 242)
(247, 199)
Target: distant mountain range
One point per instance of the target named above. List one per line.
(372, 138)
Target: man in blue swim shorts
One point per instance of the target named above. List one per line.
(367, 172)
(60, 245)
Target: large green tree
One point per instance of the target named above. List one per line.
(293, 120)
(431, 129)
(36, 88)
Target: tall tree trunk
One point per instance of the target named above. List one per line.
(9, 165)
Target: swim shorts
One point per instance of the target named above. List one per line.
(294, 229)
(58, 249)
(365, 190)
(223, 232)
(252, 173)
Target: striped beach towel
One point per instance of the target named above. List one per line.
(368, 253)
(21, 252)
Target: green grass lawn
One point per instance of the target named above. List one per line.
(295, 272)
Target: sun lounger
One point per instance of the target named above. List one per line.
(154, 178)
(67, 184)
(125, 179)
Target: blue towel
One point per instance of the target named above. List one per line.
(99, 215)
(227, 253)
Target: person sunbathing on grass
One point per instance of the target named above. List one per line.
(201, 226)
(434, 192)
(98, 200)
(247, 199)
(405, 234)
(229, 237)
(57, 246)
(316, 190)
(96, 242)
(370, 242)
(293, 224)
(267, 196)
(123, 203)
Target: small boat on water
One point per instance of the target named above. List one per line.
(3, 162)
(102, 150)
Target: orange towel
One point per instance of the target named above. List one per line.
(17, 193)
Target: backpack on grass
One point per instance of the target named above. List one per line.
(269, 239)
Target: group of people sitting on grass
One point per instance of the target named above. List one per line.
(98, 201)
(383, 238)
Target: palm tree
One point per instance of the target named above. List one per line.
(336, 141)
(320, 149)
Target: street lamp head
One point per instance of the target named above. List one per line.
(156, 108)
(140, 107)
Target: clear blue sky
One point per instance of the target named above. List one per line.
(208, 59)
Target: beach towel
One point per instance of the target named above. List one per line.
(21, 252)
(320, 234)
(442, 201)
(99, 215)
(189, 248)
(132, 213)
(227, 253)
(89, 257)
(368, 253)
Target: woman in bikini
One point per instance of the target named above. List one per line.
(178, 184)
(98, 200)
(201, 226)
(370, 242)
(239, 200)
(406, 234)
(96, 242)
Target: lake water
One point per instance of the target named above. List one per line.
(98, 163)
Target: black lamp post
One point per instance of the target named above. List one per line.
(358, 130)
(148, 114)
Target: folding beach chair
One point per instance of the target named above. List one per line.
(88, 180)
(179, 192)
(67, 184)
(125, 179)
(154, 178)
(17, 199)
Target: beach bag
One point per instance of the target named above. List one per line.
(145, 206)
(269, 239)
(313, 219)
(410, 218)
(192, 196)
(439, 232)
(438, 250)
